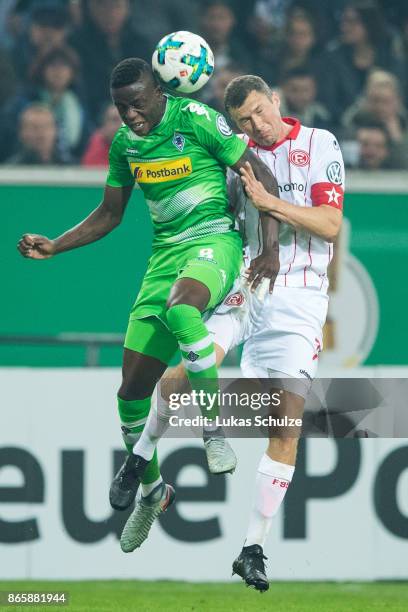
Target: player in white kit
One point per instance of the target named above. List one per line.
(281, 332)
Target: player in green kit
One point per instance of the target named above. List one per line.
(176, 151)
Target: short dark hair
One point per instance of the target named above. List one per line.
(50, 17)
(300, 72)
(375, 125)
(130, 71)
(63, 54)
(372, 18)
(239, 89)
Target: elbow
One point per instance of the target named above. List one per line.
(116, 220)
(332, 232)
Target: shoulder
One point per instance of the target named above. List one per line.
(192, 110)
(319, 137)
(121, 135)
(120, 140)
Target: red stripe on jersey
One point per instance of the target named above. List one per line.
(310, 262)
(328, 194)
(291, 263)
(310, 238)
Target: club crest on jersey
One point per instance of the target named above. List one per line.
(235, 299)
(298, 157)
(179, 141)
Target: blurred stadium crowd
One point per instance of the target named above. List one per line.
(338, 64)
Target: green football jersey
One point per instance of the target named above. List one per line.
(180, 166)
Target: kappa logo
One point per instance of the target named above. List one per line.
(199, 109)
(298, 157)
(334, 173)
(235, 299)
(179, 141)
(192, 356)
(161, 171)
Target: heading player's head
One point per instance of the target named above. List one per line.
(137, 95)
(255, 109)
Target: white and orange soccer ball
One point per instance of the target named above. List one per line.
(183, 61)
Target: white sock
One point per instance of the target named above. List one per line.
(148, 488)
(271, 484)
(156, 425)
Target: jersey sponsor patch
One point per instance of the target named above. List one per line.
(298, 157)
(328, 194)
(161, 171)
(223, 126)
(334, 173)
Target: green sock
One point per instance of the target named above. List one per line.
(197, 352)
(133, 416)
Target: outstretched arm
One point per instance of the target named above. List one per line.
(100, 222)
(267, 264)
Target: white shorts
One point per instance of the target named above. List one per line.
(282, 334)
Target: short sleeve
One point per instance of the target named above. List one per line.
(214, 133)
(119, 174)
(326, 171)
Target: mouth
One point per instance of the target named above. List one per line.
(138, 126)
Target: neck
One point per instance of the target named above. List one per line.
(285, 128)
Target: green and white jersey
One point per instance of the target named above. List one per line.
(180, 166)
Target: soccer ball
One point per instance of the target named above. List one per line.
(183, 61)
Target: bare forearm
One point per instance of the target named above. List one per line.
(261, 171)
(322, 221)
(270, 232)
(99, 223)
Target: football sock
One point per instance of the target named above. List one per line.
(197, 353)
(156, 425)
(133, 416)
(148, 488)
(272, 482)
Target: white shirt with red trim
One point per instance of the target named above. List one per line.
(309, 168)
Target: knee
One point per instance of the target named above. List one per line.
(179, 316)
(133, 388)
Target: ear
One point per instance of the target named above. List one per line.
(276, 99)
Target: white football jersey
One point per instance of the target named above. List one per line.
(309, 168)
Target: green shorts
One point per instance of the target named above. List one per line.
(214, 260)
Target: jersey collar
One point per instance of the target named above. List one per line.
(293, 134)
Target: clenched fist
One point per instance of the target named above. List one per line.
(36, 247)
